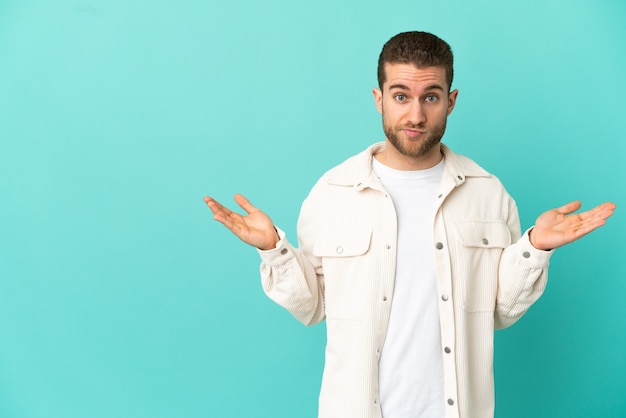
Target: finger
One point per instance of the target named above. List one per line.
(588, 227)
(244, 203)
(569, 207)
(220, 212)
(602, 211)
(229, 219)
(213, 204)
(606, 209)
(595, 218)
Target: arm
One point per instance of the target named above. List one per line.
(287, 275)
(523, 270)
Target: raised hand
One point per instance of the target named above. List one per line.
(256, 228)
(558, 227)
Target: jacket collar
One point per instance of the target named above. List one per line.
(357, 171)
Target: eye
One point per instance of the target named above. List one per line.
(400, 97)
(431, 98)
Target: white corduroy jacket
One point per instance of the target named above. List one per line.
(343, 271)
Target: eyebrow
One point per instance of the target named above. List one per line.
(403, 87)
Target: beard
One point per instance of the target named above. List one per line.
(418, 147)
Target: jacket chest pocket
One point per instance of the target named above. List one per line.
(477, 261)
(346, 267)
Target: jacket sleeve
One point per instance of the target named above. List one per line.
(293, 277)
(522, 275)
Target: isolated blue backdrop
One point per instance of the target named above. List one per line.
(120, 297)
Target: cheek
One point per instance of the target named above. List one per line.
(388, 119)
(391, 114)
(441, 113)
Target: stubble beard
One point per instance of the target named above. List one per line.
(414, 148)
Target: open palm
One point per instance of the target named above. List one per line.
(558, 227)
(255, 228)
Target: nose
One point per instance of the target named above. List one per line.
(416, 115)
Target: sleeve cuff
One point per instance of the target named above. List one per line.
(531, 254)
(278, 255)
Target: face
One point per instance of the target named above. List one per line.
(414, 103)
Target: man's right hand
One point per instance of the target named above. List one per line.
(256, 228)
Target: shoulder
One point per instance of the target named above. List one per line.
(473, 177)
(463, 165)
(352, 170)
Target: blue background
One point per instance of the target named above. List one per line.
(120, 297)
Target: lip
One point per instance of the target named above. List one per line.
(413, 133)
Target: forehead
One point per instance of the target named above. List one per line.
(413, 77)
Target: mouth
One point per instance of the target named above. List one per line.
(413, 133)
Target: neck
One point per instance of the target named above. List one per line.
(391, 157)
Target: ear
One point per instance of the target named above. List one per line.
(378, 99)
(452, 100)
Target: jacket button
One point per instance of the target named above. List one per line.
(284, 251)
(485, 241)
(439, 246)
(447, 350)
(444, 298)
(526, 254)
(339, 250)
(450, 402)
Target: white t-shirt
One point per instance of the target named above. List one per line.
(411, 363)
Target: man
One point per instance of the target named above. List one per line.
(413, 255)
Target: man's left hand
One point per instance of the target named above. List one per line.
(558, 227)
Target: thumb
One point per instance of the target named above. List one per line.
(569, 207)
(244, 203)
